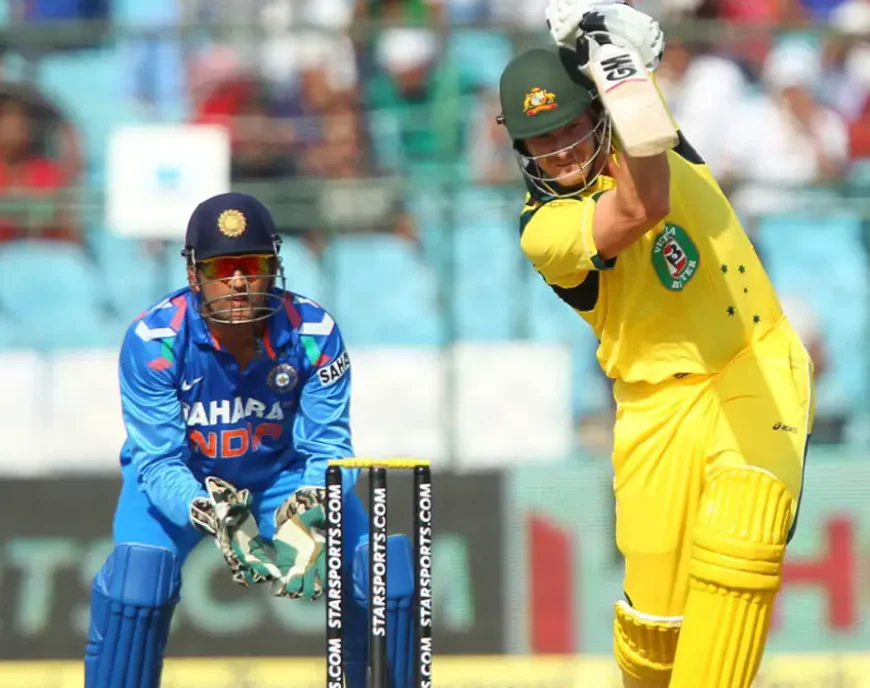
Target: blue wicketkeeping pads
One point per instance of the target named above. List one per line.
(133, 599)
(400, 611)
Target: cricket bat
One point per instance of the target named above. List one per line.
(630, 95)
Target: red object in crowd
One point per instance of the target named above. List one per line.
(224, 103)
(37, 176)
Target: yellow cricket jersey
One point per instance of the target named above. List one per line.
(685, 298)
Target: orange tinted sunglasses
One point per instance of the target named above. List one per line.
(225, 267)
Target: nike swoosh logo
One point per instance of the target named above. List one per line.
(187, 386)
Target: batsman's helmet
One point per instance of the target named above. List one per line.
(234, 224)
(542, 90)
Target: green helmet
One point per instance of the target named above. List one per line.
(542, 90)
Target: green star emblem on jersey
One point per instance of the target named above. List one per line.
(675, 257)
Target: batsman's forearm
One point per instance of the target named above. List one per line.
(639, 202)
(643, 187)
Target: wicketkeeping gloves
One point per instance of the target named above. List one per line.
(299, 543)
(223, 515)
(299, 568)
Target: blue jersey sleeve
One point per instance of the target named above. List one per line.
(321, 428)
(157, 438)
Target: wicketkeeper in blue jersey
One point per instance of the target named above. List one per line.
(235, 394)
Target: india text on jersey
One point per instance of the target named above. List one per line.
(234, 442)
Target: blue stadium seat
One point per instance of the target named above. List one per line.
(488, 266)
(479, 56)
(155, 67)
(56, 298)
(10, 335)
(134, 276)
(302, 270)
(549, 319)
(823, 262)
(858, 177)
(382, 292)
(427, 206)
(89, 85)
(552, 320)
(172, 267)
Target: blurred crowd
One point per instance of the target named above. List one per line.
(310, 89)
(774, 96)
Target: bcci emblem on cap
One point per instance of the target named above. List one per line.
(283, 378)
(232, 223)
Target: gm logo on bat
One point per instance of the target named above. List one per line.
(618, 67)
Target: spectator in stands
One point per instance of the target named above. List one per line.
(371, 17)
(303, 36)
(803, 142)
(339, 154)
(846, 77)
(524, 14)
(326, 119)
(761, 11)
(32, 184)
(261, 149)
(228, 95)
(416, 12)
(702, 87)
(413, 102)
(220, 85)
(820, 10)
(847, 81)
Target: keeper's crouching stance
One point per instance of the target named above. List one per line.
(235, 394)
(712, 385)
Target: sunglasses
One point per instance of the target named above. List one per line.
(225, 267)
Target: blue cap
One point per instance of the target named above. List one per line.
(228, 224)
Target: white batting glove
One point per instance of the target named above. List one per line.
(563, 17)
(574, 22)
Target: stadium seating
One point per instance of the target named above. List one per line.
(99, 73)
(804, 253)
(552, 320)
(382, 292)
(55, 297)
(9, 334)
(131, 273)
(155, 67)
(302, 270)
(479, 56)
(385, 290)
(466, 279)
(487, 265)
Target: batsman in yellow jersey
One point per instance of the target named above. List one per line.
(713, 387)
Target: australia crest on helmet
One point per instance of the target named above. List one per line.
(538, 100)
